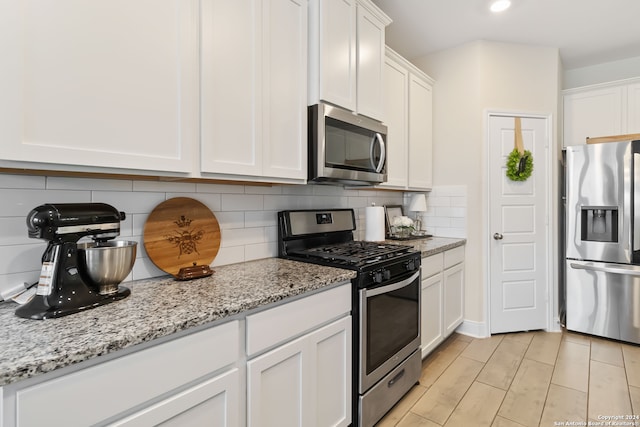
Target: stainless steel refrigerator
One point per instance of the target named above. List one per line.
(603, 240)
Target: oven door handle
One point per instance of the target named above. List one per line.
(393, 287)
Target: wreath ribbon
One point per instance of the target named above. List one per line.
(520, 161)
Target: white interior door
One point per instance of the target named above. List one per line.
(518, 212)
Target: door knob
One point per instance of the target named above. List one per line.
(497, 236)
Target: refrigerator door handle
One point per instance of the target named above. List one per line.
(635, 225)
(607, 268)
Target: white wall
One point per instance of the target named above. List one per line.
(470, 80)
(602, 73)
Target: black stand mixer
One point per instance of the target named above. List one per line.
(67, 283)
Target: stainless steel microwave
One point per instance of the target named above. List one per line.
(345, 148)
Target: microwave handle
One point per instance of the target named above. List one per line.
(383, 152)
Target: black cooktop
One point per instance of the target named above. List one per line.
(354, 252)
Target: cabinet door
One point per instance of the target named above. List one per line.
(105, 83)
(306, 382)
(254, 86)
(285, 89)
(331, 348)
(592, 113)
(333, 61)
(215, 402)
(633, 108)
(453, 282)
(370, 64)
(277, 391)
(420, 134)
(231, 104)
(396, 103)
(431, 320)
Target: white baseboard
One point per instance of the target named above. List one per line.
(474, 329)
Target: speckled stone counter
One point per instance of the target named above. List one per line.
(155, 308)
(432, 245)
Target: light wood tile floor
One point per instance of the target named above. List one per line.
(525, 379)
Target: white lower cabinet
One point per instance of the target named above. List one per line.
(431, 319)
(442, 297)
(305, 381)
(165, 382)
(213, 402)
(296, 372)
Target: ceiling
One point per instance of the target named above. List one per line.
(587, 32)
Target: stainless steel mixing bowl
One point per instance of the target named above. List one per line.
(106, 264)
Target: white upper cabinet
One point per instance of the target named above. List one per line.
(254, 89)
(408, 114)
(601, 110)
(396, 117)
(633, 108)
(592, 113)
(102, 84)
(420, 133)
(371, 28)
(332, 53)
(346, 55)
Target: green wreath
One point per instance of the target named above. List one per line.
(519, 168)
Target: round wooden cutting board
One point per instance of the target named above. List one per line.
(181, 233)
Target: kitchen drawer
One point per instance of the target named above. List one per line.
(288, 321)
(453, 257)
(212, 402)
(432, 265)
(94, 394)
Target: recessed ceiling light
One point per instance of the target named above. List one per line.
(500, 5)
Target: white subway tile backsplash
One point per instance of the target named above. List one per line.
(261, 218)
(261, 250)
(436, 201)
(21, 258)
(219, 188)
(242, 236)
(145, 268)
(242, 202)
(262, 189)
(19, 202)
(13, 231)
(458, 201)
(247, 215)
(231, 219)
(129, 202)
(229, 255)
(165, 187)
(446, 214)
(299, 190)
(89, 184)
(23, 181)
(278, 203)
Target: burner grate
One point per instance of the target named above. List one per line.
(354, 252)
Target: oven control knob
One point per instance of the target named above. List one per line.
(386, 274)
(377, 276)
(410, 265)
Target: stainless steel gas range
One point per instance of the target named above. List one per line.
(385, 303)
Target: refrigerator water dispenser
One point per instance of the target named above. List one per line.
(599, 223)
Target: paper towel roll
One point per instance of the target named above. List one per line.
(374, 223)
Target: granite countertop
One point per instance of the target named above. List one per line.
(434, 245)
(431, 245)
(162, 306)
(156, 308)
